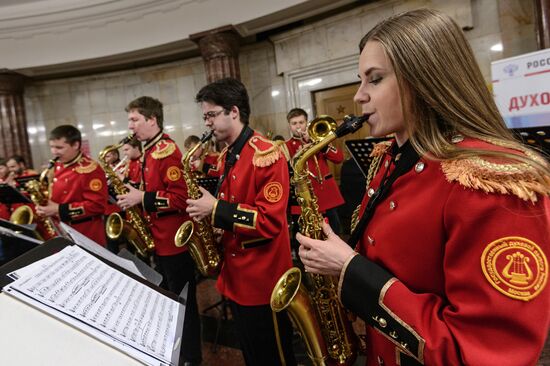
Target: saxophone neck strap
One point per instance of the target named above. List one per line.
(233, 154)
(405, 158)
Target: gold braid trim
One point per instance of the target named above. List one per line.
(518, 179)
(263, 158)
(85, 169)
(161, 151)
(380, 148)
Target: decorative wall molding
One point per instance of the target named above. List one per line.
(301, 83)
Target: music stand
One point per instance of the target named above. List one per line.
(208, 183)
(9, 195)
(15, 240)
(538, 137)
(361, 149)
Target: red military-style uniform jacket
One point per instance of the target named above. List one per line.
(457, 264)
(165, 192)
(327, 192)
(133, 173)
(80, 188)
(251, 209)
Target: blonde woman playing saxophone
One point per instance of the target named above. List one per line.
(452, 245)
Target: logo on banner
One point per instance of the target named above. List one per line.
(510, 69)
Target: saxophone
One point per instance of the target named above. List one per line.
(39, 195)
(198, 234)
(134, 228)
(314, 307)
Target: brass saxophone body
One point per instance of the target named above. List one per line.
(134, 228)
(313, 304)
(39, 195)
(198, 235)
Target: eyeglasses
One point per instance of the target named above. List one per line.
(208, 116)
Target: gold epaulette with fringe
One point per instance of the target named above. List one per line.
(380, 148)
(85, 166)
(163, 149)
(266, 153)
(517, 179)
(284, 149)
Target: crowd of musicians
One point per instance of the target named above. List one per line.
(447, 260)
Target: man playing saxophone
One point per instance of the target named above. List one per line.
(79, 188)
(162, 193)
(251, 209)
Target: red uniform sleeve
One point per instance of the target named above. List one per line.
(262, 218)
(94, 198)
(174, 193)
(495, 309)
(333, 154)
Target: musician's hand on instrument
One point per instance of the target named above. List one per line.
(130, 199)
(324, 256)
(202, 207)
(51, 209)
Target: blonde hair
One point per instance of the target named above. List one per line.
(442, 88)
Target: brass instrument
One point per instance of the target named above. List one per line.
(198, 235)
(314, 307)
(134, 228)
(316, 130)
(39, 195)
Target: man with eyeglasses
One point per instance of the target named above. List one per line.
(162, 193)
(250, 207)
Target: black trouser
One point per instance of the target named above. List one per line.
(178, 270)
(257, 335)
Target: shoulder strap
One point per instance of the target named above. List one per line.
(408, 159)
(233, 153)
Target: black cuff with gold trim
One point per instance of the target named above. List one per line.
(363, 283)
(153, 203)
(228, 214)
(149, 199)
(64, 212)
(223, 216)
(361, 287)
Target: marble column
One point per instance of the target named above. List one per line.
(14, 139)
(220, 51)
(542, 23)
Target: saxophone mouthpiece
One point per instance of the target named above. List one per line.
(351, 124)
(207, 135)
(52, 162)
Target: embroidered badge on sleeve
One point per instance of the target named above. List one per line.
(273, 192)
(95, 184)
(173, 173)
(516, 267)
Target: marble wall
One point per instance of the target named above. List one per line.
(280, 74)
(96, 104)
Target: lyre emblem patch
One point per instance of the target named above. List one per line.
(173, 173)
(273, 192)
(516, 267)
(95, 184)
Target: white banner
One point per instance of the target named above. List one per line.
(521, 87)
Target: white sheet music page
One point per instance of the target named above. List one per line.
(82, 290)
(91, 246)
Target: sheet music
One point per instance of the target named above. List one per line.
(91, 246)
(82, 290)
